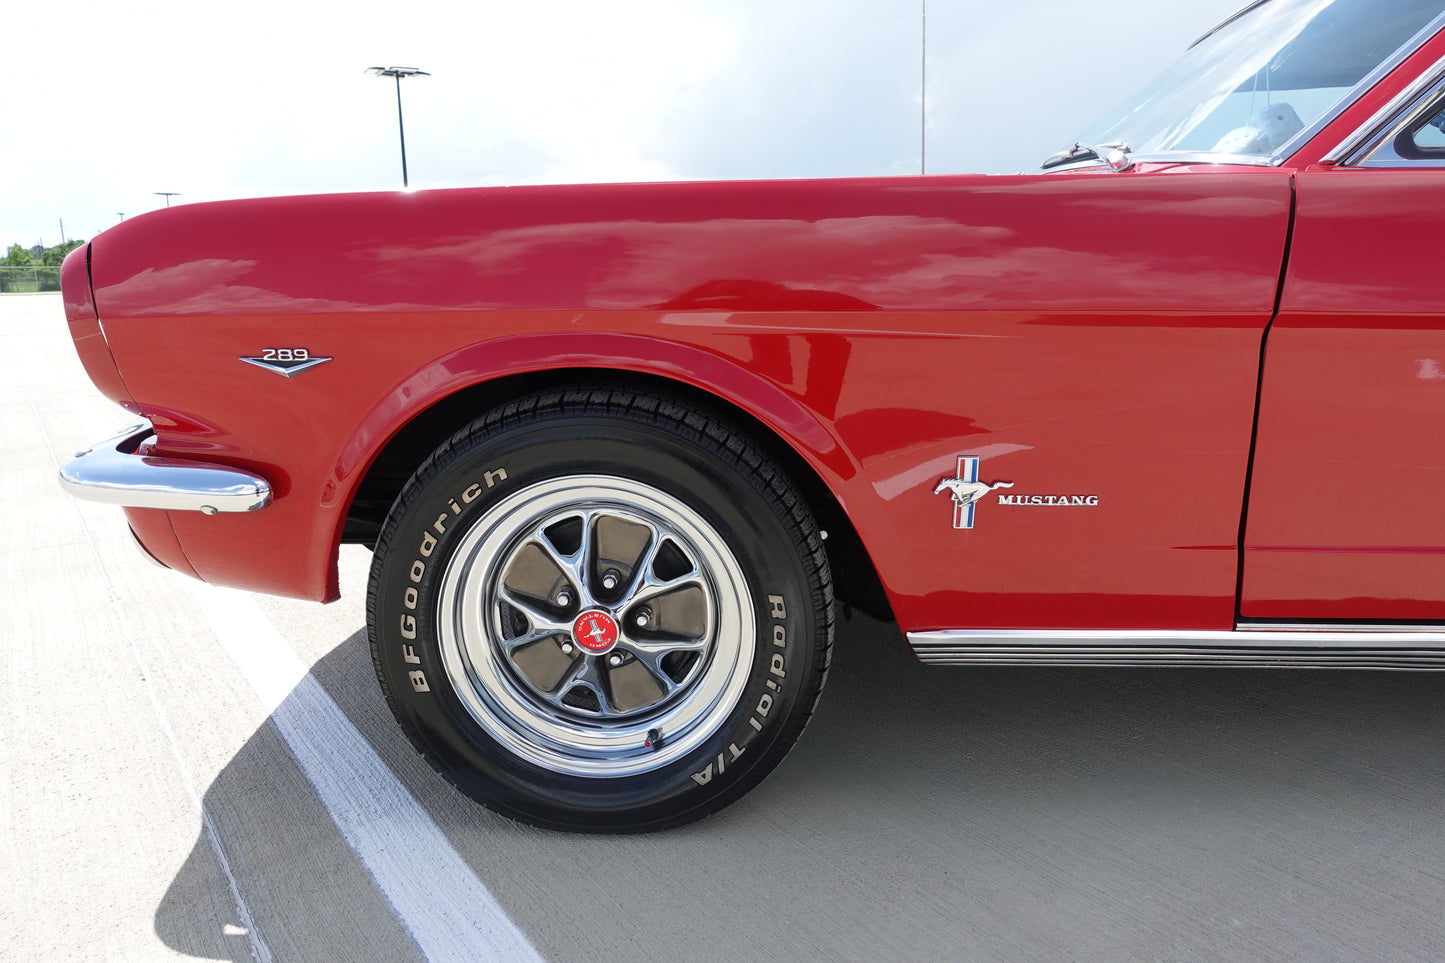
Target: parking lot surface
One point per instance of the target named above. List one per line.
(193, 772)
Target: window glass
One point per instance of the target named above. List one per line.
(1256, 82)
(1431, 137)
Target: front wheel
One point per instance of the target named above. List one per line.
(600, 611)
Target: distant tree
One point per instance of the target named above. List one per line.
(16, 256)
(53, 256)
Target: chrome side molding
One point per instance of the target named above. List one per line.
(112, 472)
(1333, 646)
(1373, 133)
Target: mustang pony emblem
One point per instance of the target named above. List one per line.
(595, 631)
(967, 490)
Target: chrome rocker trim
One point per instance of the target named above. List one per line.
(113, 473)
(1293, 646)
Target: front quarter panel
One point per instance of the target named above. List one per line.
(1079, 334)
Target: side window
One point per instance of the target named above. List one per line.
(1413, 137)
(1423, 139)
(1431, 135)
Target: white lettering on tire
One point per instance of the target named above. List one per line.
(410, 597)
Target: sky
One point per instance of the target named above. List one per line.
(111, 102)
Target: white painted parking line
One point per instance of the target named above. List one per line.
(441, 903)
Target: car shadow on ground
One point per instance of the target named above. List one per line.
(1006, 813)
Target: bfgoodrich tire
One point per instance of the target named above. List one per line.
(600, 611)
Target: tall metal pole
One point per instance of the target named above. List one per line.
(398, 73)
(401, 128)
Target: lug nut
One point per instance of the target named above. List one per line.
(644, 617)
(567, 648)
(614, 660)
(564, 599)
(610, 580)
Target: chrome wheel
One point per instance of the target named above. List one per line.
(596, 626)
(599, 610)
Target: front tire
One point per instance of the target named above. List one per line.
(600, 611)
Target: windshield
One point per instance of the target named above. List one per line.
(1252, 85)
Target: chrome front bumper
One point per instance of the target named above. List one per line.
(113, 473)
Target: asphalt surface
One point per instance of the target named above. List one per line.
(173, 790)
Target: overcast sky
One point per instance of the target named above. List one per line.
(111, 101)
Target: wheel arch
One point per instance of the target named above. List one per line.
(856, 580)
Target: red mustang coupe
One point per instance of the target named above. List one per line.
(620, 451)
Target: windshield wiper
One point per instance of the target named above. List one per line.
(1113, 156)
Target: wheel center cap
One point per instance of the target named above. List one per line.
(595, 631)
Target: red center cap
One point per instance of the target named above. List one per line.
(595, 631)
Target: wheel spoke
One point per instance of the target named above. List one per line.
(657, 648)
(526, 638)
(642, 571)
(585, 671)
(557, 692)
(650, 655)
(654, 588)
(586, 552)
(663, 679)
(573, 567)
(590, 675)
(642, 565)
(542, 622)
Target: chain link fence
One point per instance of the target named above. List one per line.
(23, 279)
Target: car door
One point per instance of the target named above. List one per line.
(1346, 515)
(1051, 409)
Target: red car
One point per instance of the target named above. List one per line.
(622, 451)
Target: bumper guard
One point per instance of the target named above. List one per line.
(113, 473)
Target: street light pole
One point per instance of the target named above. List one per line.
(398, 73)
(167, 195)
(401, 130)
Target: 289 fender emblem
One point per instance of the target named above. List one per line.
(286, 362)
